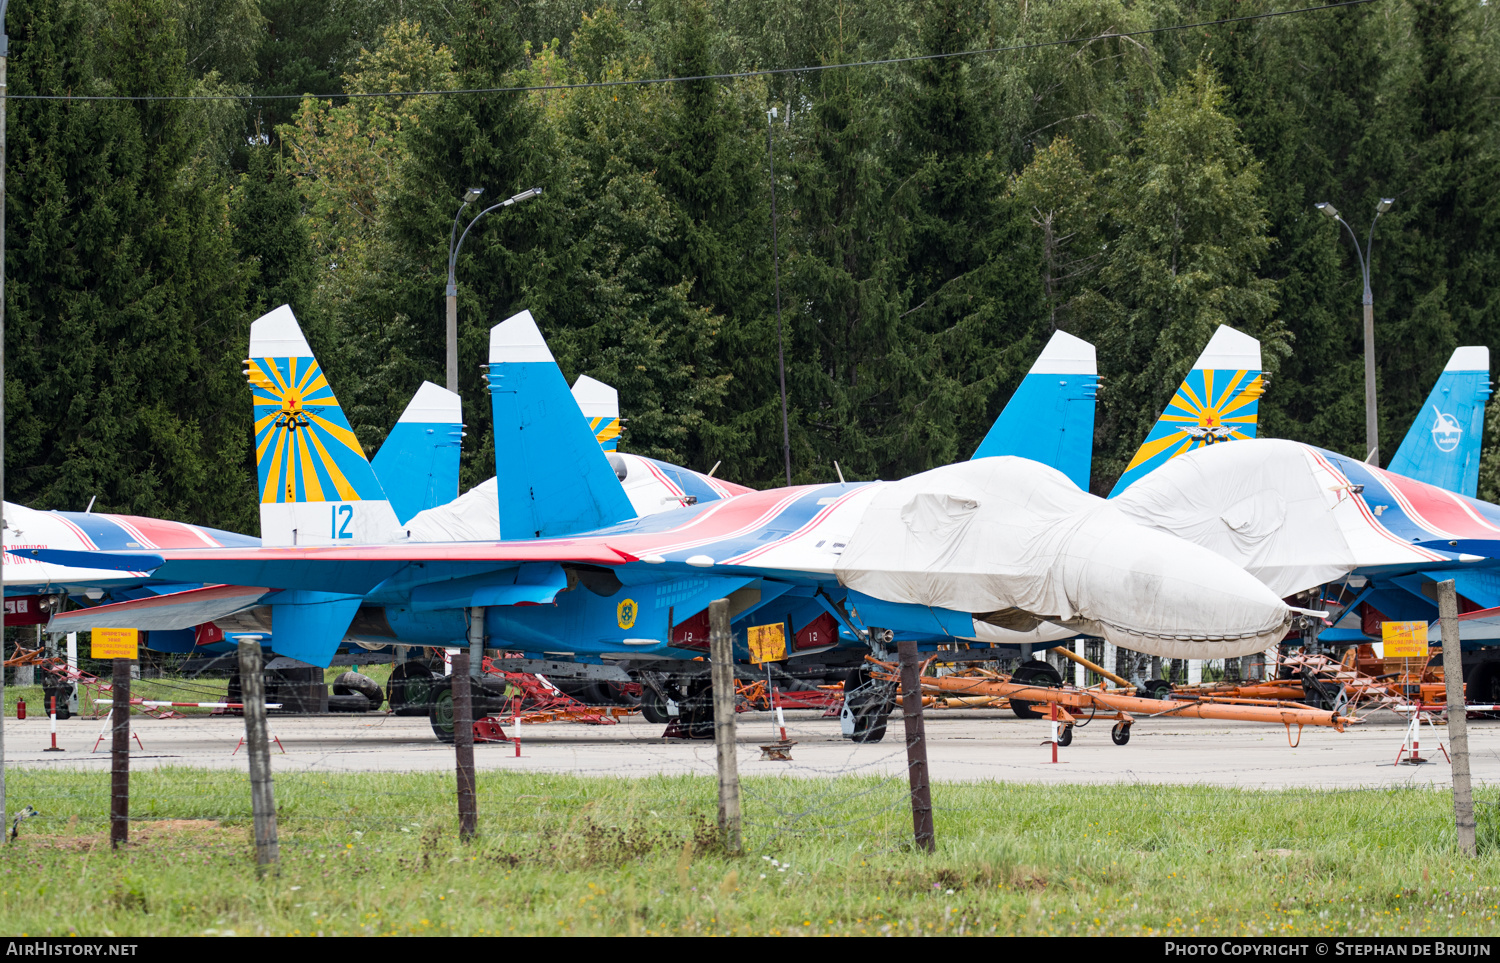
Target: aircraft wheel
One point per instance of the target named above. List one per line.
(653, 706)
(1483, 686)
(234, 693)
(869, 703)
(440, 711)
(1120, 734)
(61, 691)
(1328, 696)
(1157, 689)
(409, 690)
(1035, 672)
(698, 710)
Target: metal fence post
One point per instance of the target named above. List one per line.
(916, 744)
(1458, 720)
(463, 745)
(258, 747)
(721, 653)
(119, 754)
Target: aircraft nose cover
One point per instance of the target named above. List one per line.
(1007, 533)
(1164, 596)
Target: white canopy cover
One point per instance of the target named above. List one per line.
(1281, 510)
(1006, 538)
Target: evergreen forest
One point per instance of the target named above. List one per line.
(936, 219)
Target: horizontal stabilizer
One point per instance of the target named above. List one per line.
(308, 626)
(1050, 418)
(1442, 446)
(177, 610)
(316, 487)
(1218, 401)
(105, 561)
(600, 405)
(417, 466)
(552, 478)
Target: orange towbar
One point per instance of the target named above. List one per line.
(1073, 700)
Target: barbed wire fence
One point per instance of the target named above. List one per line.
(359, 772)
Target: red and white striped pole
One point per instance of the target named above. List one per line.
(1054, 731)
(780, 716)
(515, 722)
(52, 716)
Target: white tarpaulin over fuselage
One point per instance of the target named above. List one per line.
(993, 534)
(1280, 510)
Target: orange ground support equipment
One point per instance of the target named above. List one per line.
(1072, 702)
(543, 703)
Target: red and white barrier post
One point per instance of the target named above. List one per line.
(52, 716)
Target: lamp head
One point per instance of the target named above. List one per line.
(1327, 208)
(1384, 205)
(525, 195)
(472, 194)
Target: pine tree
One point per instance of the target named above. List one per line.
(396, 334)
(1188, 232)
(126, 305)
(712, 170)
(974, 301)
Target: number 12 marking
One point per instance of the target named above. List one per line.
(337, 530)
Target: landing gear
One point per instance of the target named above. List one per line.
(1319, 694)
(654, 705)
(409, 691)
(1483, 686)
(696, 712)
(1035, 672)
(440, 709)
(59, 691)
(1156, 689)
(1120, 734)
(867, 706)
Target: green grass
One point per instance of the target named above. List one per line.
(378, 854)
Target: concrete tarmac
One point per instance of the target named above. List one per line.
(964, 745)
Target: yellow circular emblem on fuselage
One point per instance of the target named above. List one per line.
(626, 612)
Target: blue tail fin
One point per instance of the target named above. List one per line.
(1218, 401)
(1442, 447)
(600, 405)
(316, 487)
(552, 478)
(1050, 418)
(418, 464)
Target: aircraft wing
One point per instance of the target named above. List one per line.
(935, 552)
(176, 610)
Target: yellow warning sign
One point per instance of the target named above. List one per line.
(767, 643)
(116, 643)
(1404, 640)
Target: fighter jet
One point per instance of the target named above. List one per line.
(1001, 540)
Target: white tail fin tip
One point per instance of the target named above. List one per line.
(1065, 354)
(595, 398)
(277, 335)
(1471, 358)
(517, 339)
(1230, 350)
(432, 405)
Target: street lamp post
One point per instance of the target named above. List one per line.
(470, 196)
(1372, 431)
